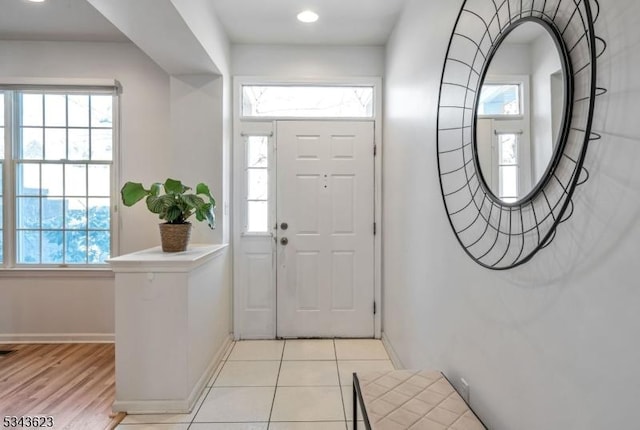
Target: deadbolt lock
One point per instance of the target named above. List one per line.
(284, 226)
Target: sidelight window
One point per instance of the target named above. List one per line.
(257, 178)
(508, 166)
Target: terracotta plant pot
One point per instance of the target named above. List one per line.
(175, 237)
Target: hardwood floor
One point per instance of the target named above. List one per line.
(73, 383)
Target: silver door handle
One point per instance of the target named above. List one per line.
(284, 241)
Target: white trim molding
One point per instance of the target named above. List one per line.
(392, 352)
(241, 124)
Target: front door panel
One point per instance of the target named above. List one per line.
(325, 256)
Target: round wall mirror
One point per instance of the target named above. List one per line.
(515, 112)
(521, 110)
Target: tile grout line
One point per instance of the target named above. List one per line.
(344, 410)
(208, 390)
(275, 389)
(281, 360)
(223, 362)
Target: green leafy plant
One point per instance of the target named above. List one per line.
(175, 205)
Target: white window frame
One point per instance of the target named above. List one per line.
(518, 124)
(523, 83)
(257, 129)
(325, 84)
(499, 165)
(10, 86)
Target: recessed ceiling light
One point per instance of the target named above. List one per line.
(36, 1)
(307, 16)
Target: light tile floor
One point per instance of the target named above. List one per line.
(277, 385)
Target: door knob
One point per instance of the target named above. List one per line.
(284, 241)
(284, 226)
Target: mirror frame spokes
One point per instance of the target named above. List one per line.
(496, 234)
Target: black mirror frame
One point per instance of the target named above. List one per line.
(495, 234)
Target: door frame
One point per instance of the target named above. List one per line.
(242, 126)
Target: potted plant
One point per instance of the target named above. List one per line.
(175, 206)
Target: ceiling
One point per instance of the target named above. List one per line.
(55, 20)
(342, 22)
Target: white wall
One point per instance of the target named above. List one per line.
(186, 39)
(196, 124)
(294, 61)
(545, 62)
(52, 305)
(552, 344)
(170, 328)
(511, 59)
(200, 17)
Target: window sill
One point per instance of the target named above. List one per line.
(52, 272)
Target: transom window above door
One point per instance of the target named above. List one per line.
(291, 101)
(500, 99)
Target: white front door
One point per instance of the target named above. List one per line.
(325, 229)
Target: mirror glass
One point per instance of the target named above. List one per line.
(520, 112)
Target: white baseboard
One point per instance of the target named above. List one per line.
(257, 337)
(57, 338)
(392, 353)
(179, 406)
(134, 407)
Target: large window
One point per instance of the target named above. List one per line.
(58, 157)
